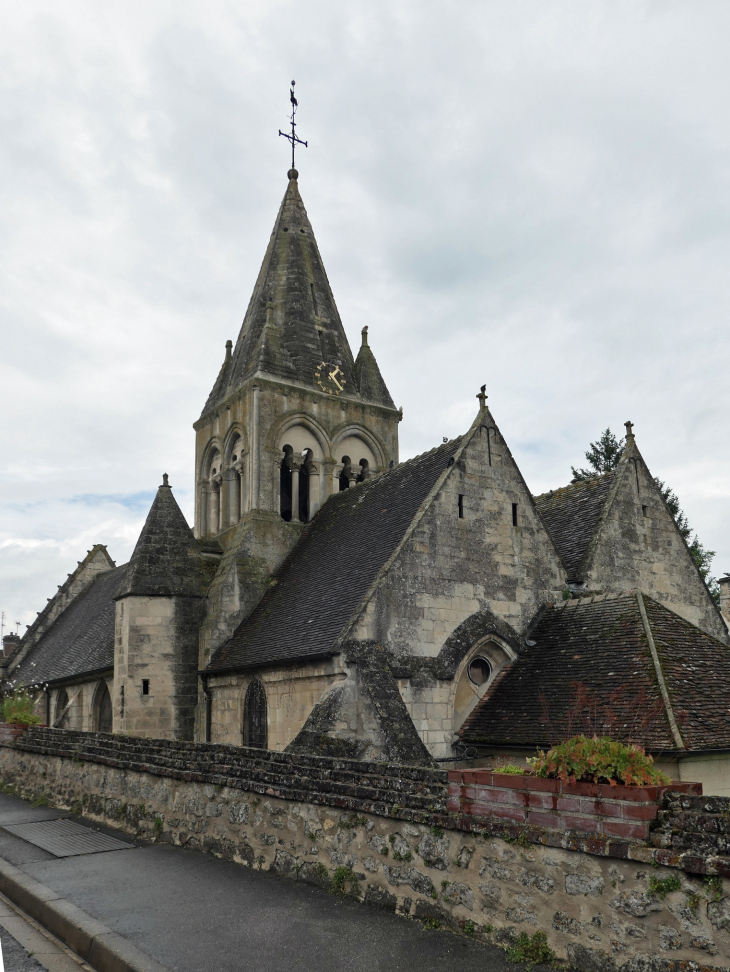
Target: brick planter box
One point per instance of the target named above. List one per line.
(10, 731)
(625, 812)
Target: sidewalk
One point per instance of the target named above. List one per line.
(195, 913)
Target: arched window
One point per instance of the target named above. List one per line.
(102, 714)
(364, 470)
(478, 671)
(304, 487)
(285, 484)
(235, 499)
(344, 475)
(61, 703)
(214, 493)
(254, 716)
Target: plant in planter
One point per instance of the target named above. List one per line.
(18, 709)
(599, 759)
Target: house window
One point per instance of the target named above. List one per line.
(479, 671)
(145, 686)
(254, 716)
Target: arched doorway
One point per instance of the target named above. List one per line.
(254, 716)
(102, 709)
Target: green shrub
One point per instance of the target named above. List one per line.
(433, 924)
(660, 887)
(600, 759)
(714, 887)
(18, 708)
(533, 950)
(343, 881)
(511, 769)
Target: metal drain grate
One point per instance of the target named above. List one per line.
(64, 838)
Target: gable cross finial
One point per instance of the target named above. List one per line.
(165, 480)
(293, 137)
(482, 396)
(629, 429)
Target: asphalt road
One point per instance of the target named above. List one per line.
(195, 913)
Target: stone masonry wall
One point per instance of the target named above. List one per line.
(638, 547)
(600, 913)
(452, 567)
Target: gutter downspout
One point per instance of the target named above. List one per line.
(660, 674)
(208, 705)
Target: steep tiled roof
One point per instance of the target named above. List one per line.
(166, 561)
(292, 323)
(325, 577)
(602, 643)
(571, 514)
(697, 670)
(81, 640)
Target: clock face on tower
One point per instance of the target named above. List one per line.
(329, 377)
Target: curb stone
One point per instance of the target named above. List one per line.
(91, 940)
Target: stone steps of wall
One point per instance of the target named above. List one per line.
(349, 784)
(695, 821)
(336, 781)
(242, 755)
(694, 824)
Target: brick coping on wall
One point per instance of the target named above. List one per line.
(590, 808)
(591, 818)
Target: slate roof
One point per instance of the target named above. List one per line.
(329, 571)
(571, 514)
(292, 323)
(602, 643)
(81, 640)
(167, 560)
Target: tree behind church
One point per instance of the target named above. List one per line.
(603, 455)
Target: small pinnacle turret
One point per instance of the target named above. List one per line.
(166, 561)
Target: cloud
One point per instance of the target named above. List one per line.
(531, 196)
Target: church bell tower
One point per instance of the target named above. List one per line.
(292, 417)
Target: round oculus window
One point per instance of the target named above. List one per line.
(479, 671)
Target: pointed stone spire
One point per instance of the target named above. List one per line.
(292, 324)
(166, 561)
(367, 375)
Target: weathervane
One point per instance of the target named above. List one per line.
(293, 137)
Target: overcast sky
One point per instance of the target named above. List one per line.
(535, 195)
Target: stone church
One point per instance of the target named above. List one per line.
(332, 599)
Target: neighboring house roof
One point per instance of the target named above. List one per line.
(602, 643)
(292, 323)
(323, 580)
(167, 561)
(80, 641)
(572, 514)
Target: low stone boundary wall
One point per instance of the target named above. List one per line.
(598, 912)
(594, 808)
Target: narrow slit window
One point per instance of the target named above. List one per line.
(145, 686)
(461, 506)
(514, 514)
(643, 511)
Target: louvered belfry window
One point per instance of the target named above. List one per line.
(254, 716)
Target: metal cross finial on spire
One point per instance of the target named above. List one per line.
(293, 137)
